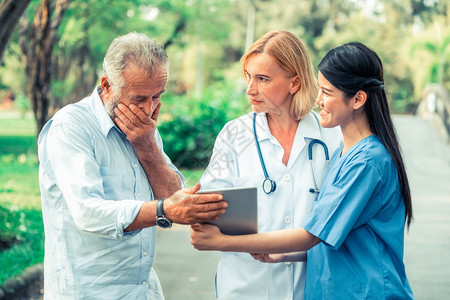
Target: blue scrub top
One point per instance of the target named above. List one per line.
(360, 217)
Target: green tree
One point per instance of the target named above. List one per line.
(436, 45)
(36, 41)
(206, 38)
(87, 28)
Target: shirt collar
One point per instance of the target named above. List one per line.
(103, 118)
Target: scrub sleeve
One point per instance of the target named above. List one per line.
(344, 202)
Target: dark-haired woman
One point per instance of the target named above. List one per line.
(355, 233)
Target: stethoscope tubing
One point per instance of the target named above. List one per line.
(258, 148)
(310, 157)
(269, 185)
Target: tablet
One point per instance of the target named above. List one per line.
(241, 215)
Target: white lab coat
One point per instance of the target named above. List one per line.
(235, 162)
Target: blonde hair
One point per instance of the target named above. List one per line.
(291, 54)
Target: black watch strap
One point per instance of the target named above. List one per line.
(160, 208)
(161, 220)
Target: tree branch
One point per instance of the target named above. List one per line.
(10, 12)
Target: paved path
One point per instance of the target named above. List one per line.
(184, 272)
(188, 274)
(427, 250)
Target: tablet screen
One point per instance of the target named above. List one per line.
(241, 215)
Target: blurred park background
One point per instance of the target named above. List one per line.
(51, 54)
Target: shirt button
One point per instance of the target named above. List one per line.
(144, 282)
(135, 165)
(286, 177)
(145, 253)
(287, 220)
(138, 195)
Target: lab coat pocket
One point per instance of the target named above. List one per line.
(263, 199)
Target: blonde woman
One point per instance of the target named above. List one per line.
(282, 88)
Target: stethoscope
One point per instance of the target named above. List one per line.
(270, 185)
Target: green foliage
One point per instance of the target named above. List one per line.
(205, 39)
(12, 75)
(191, 127)
(9, 227)
(23, 104)
(192, 176)
(29, 246)
(20, 209)
(88, 28)
(431, 50)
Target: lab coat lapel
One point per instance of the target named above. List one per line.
(270, 147)
(308, 128)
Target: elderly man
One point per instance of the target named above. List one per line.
(101, 164)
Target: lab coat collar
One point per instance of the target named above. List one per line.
(308, 127)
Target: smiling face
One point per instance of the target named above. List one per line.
(138, 89)
(270, 87)
(335, 108)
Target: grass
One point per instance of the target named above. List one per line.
(13, 123)
(29, 246)
(19, 185)
(20, 203)
(19, 195)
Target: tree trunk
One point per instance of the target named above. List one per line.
(10, 12)
(37, 42)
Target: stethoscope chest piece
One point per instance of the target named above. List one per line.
(269, 186)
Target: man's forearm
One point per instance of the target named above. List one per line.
(163, 180)
(146, 217)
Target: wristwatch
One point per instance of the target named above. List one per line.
(161, 221)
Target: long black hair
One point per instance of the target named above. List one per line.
(354, 67)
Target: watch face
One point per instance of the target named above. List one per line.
(163, 223)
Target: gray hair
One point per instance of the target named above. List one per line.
(132, 49)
